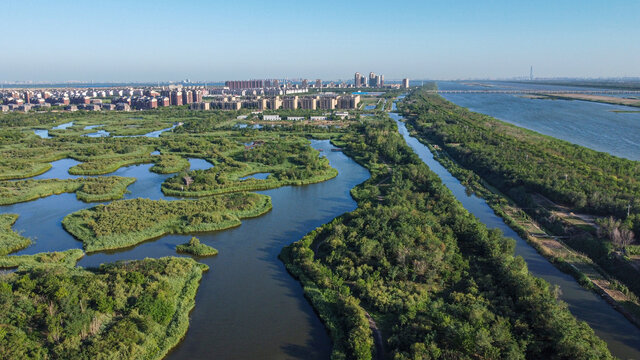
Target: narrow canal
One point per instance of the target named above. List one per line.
(622, 337)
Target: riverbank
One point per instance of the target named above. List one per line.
(411, 256)
(581, 267)
(594, 98)
(578, 230)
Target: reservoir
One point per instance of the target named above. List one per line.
(622, 337)
(601, 127)
(247, 305)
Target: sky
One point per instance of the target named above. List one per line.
(162, 40)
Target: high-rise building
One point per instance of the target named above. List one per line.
(405, 83)
(372, 79)
(348, 101)
(381, 84)
(290, 103)
(305, 83)
(308, 103)
(357, 80)
(327, 102)
(274, 103)
(318, 83)
(196, 96)
(245, 84)
(176, 98)
(187, 97)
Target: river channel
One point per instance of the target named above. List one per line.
(247, 306)
(614, 129)
(622, 337)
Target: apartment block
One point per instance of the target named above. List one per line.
(308, 103)
(327, 102)
(290, 103)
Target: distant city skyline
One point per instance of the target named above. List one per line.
(150, 41)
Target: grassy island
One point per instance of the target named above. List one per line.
(86, 189)
(194, 247)
(290, 161)
(169, 164)
(127, 310)
(10, 241)
(67, 258)
(125, 223)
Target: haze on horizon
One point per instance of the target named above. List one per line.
(201, 40)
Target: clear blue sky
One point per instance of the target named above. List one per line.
(216, 40)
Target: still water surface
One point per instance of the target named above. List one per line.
(247, 305)
(601, 127)
(622, 337)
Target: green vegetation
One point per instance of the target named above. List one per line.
(194, 247)
(437, 282)
(86, 189)
(126, 223)
(116, 123)
(105, 166)
(169, 164)
(67, 258)
(538, 173)
(509, 157)
(289, 160)
(10, 241)
(12, 169)
(127, 310)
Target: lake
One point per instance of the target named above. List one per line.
(594, 125)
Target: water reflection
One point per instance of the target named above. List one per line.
(623, 338)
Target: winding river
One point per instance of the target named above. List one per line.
(247, 305)
(622, 337)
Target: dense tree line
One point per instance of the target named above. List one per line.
(439, 282)
(521, 162)
(127, 310)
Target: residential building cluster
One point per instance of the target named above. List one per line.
(374, 80)
(324, 102)
(235, 95)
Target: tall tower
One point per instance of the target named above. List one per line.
(531, 73)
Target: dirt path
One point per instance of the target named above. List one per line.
(377, 338)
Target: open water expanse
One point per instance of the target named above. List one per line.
(622, 337)
(614, 129)
(247, 306)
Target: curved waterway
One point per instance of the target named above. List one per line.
(614, 129)
(622, 337)
(247, 305)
